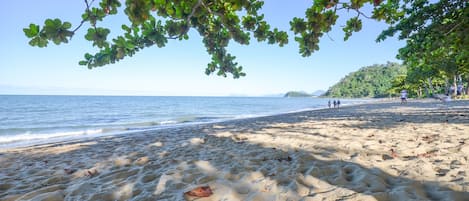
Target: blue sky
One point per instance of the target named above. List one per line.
(178, 69)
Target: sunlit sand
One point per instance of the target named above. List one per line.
(379, 151)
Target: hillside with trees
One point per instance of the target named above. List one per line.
(374, 81)
(297, 94)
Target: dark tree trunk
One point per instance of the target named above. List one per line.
(425, 89)
(455, 85)
(446, 86)
(467, 87)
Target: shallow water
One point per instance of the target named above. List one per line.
(40, 118)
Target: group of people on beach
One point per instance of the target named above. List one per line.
(336, 103)
(459, 90)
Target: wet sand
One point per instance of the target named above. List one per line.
(378, 151)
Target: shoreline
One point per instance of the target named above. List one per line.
(372, 151)
(65, 138)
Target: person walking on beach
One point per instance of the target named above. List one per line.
(335, 103)
(459, 90)
(329, 104)
(338, 103)
(403, 96)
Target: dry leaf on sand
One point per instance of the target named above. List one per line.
(202, 191)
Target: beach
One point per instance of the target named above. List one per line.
(377, 151)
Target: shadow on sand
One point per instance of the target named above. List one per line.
(163, 164)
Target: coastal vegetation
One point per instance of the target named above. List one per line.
(374, 81)
(437, 47)
(429, 82)
(435, 31)
(387, 80)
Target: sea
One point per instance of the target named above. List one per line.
(35, 119)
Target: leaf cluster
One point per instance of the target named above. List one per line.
(53, 30)
(155, 22)
(435, 31)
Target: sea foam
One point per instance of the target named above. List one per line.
(42, 136)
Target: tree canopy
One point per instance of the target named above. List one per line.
(374, 81)
(154, 22)
(437, 45)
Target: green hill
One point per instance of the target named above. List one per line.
(368, 82)
(297, 94)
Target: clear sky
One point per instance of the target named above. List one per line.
(178, 68)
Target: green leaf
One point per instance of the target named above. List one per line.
(169, 9)
(129, 45)
(83, 63)
(32, 31)
(38, 41)
(34, 41)
(42, 42)
(126, 28)
(159, 2)
(178, 12)
(67, 25)
(91, 34)
(136, 29)
(88, 56)
(49, 23)
(84, 16)
(57, 22)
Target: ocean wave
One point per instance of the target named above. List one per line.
(194, 118)
(42, 136)
(168, 122)
(247, 116)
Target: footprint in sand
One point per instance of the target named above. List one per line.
(149, 178)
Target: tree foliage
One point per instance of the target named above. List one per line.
(437, 45)
(154, 22)
(368, 82)
(435, 32)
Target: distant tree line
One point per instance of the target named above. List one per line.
(430, 82)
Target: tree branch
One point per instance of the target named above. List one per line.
(329, 36)
(78, 27)
(452, 29)
(173, 38)
(187, 20)
(362, 14)
(355, 9)
(193, 10)
(206, 7)
(84, 20)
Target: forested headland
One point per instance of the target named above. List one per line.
(368, 82)
(387, 80)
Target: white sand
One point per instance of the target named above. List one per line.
(381, 151)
